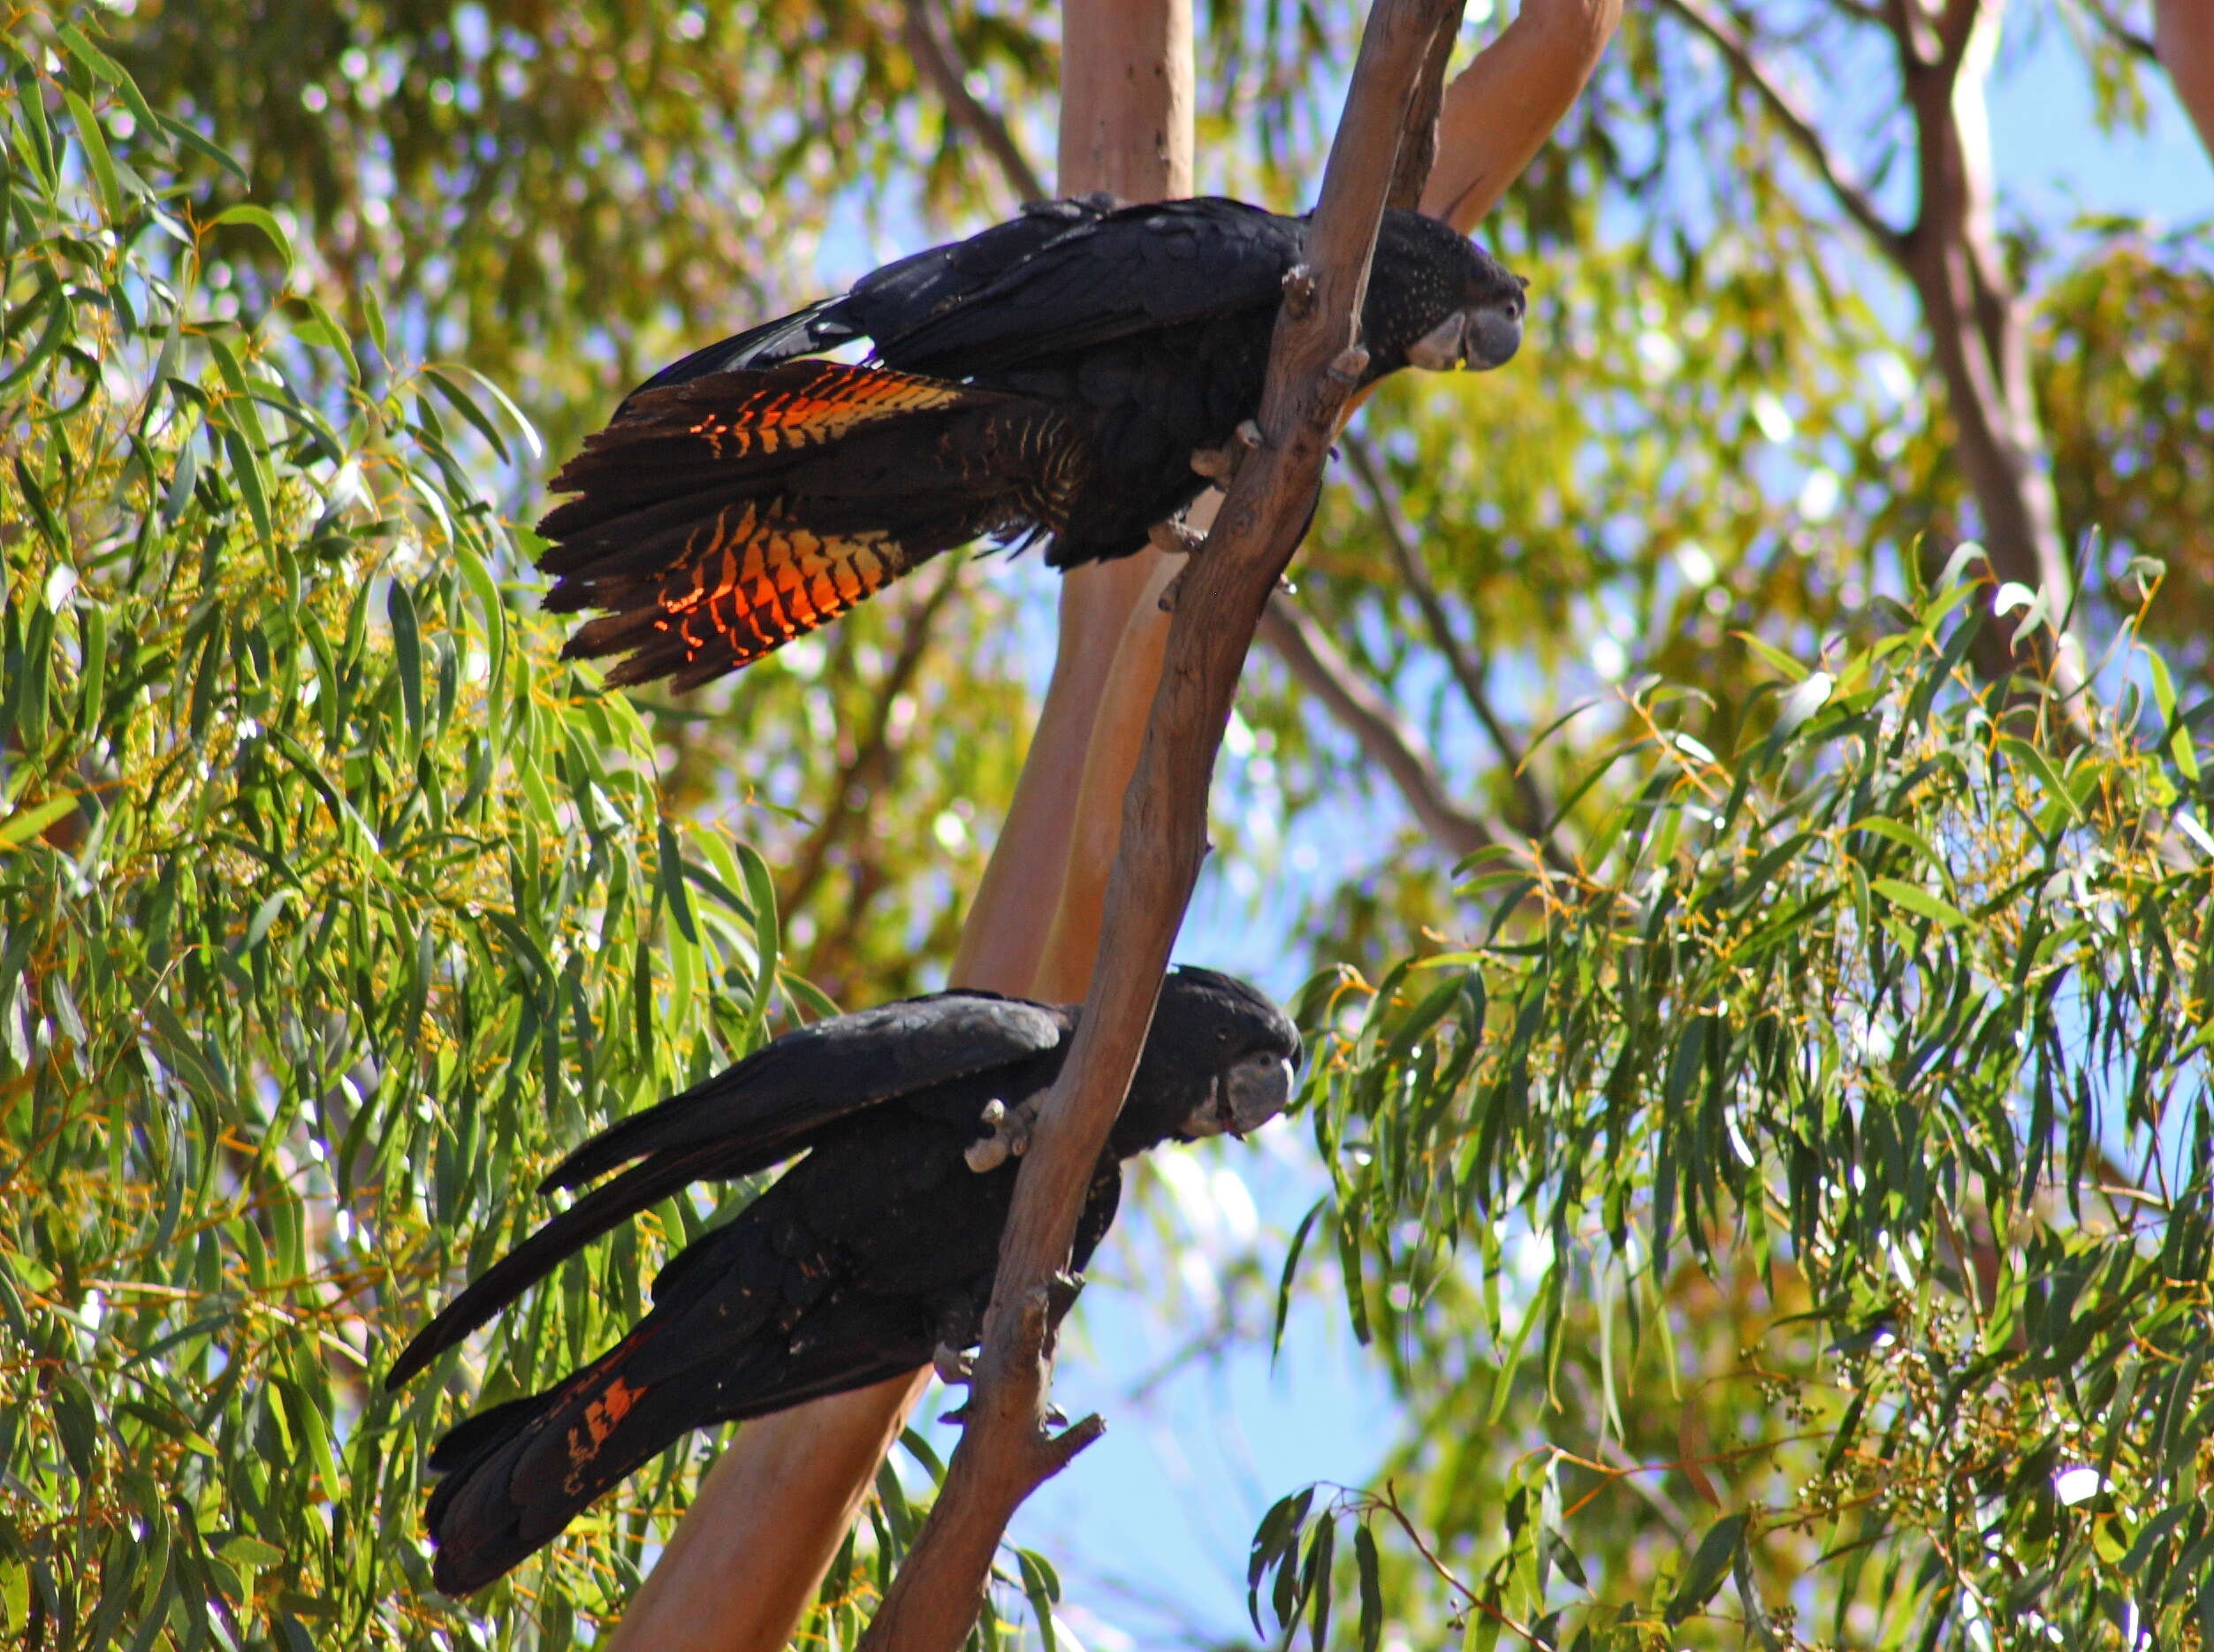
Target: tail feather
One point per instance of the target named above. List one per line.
(817, 327)
(515, 1476)
(559, 1237)
(723, 516)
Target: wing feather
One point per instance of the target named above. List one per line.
(1142, 268)
(814, 1074)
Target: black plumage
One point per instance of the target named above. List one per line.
(1052, 376)
(858, 1264)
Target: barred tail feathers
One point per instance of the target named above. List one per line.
(720, 518)
(513, 1477)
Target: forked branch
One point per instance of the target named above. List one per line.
(1314, 363)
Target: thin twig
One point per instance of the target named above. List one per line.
(874, 751)
(1798, 126)
(1534, 807)
(934, 55)
(1317, 666)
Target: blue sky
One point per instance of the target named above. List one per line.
(1162, 1509)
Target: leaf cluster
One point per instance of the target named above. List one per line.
(330, 912)
(1860, 1075)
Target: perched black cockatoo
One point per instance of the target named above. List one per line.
(1052, 376)
(873, 1255)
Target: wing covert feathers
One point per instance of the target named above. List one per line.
(720, 518)
(812, 1075)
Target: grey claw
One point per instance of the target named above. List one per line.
(1010, 1136)
(1174, 537)
(954, 1366)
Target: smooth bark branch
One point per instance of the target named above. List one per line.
(1500, 111)
(1005, 1451)
(1126, 103)
(746, 1560)
(2183, 33)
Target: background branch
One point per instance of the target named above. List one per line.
(1534, 807)
(872, 755)
(1315, 664)
(1005, 1452)
(1798, 126)
(927, 42)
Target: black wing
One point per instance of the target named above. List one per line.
(900, 296)
(822, 1071)
(747, 1119)
(1142, 268)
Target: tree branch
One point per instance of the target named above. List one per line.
(1500, 111)
(1535, 809)
(2183, 33)
(1319, 668)
(1314, 362)
(924, 31)
(1798, 126)
(1418, 137)
(871, 757)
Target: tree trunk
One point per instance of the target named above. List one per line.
(748, 1557)
(1005, 1451)
(1976, 322)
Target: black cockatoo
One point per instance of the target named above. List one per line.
(1052, 376)
(873, 1255)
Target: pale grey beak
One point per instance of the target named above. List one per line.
(1483, 339)
(1253, 1092)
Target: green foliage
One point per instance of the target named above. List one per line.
(1879, 1047)
(330, 909)
(1755, 1282)
(547, 189)
(2127, 340)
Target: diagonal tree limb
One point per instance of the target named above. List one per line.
(1308, 656)
(1005, 1451)
(1798, 126)
(1317, 666)
(1535, 809)
(1419, 140)
(927, 42)
(873, 754)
